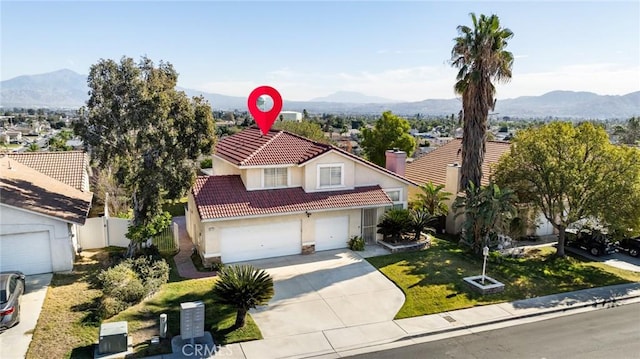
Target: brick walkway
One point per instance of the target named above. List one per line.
(183, 261)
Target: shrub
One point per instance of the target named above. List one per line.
(394, 222)
(356, 243)
(129, 282)
(122, 282)
(206, 163)
(217, 266)
(110, 306)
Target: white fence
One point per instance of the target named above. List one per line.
(103, 232)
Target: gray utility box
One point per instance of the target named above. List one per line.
(113, 338)
(191, 320)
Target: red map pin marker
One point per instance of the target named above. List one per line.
(265, 119)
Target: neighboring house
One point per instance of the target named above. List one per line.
(281, 194)
(290, 116)
(442, 167)
(70, 167)
(39, 216)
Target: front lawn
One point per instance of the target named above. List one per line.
(68, 325)
(432, 279)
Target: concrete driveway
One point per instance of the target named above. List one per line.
(619, 259)
(14, 342)
(325, 290)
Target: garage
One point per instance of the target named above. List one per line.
(332, 233)
(260, 241)
(29, 253)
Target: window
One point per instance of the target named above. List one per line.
(396, 197)
(275, 177)
(330, 176)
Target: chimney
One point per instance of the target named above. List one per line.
(452, 179)
(396, 161)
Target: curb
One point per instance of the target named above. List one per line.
(595, 304)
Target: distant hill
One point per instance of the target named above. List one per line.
(62, 88)
(65, 88)
(351, 97)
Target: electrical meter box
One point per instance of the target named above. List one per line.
(113, 338)
(191, 320)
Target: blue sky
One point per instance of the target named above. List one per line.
(396, 50)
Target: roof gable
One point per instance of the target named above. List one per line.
(65, 166)
(25, 188)
(251, 148)
(432, 167)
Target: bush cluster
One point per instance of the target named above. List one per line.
(356, 243)
(129, 282)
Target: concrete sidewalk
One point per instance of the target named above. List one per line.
(341, 342)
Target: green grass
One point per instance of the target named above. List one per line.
(68, 326)
(143, 318)
(432, 279)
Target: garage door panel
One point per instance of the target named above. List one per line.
(331, 233)
(29, 253)
(260, 241)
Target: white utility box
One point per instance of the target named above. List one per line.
(191, 320)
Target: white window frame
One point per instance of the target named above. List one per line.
(330, 165)
(276, 168)
(400, 202)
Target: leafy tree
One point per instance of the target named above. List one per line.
(572, 174)
(149, 134)
(629, 134)
(390, 131)
(479, 54)
(488, 210)
(310, 130)
(243, 287)
(432, 199)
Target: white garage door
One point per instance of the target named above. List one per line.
(332, 233)
(29, 253)
(260, 241)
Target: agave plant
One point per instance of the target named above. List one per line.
(243, 287)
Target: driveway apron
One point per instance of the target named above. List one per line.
(324, 290)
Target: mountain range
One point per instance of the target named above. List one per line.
(68, 89)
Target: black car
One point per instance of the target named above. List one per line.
(630, 245)
(11, 288)
(592, 241)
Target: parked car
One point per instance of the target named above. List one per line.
(592, 241)
(630, 245)
(11, 289)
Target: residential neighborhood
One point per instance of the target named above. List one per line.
(319, 180)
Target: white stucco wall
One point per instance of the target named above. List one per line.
(15, 221)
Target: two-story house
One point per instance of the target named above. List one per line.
(281, 194)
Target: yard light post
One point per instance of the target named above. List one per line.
(485, 253)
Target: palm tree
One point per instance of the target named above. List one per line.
(420, 221)
(432, 199)
(479, 54)
(33, 147)
(243, 287)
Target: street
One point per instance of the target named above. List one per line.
(606, 333)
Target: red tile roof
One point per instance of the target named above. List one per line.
(433, 166)
(225, 197)
(65, 166)
(25, 188)
(251, 148)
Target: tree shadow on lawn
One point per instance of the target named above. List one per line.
(441, 268)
